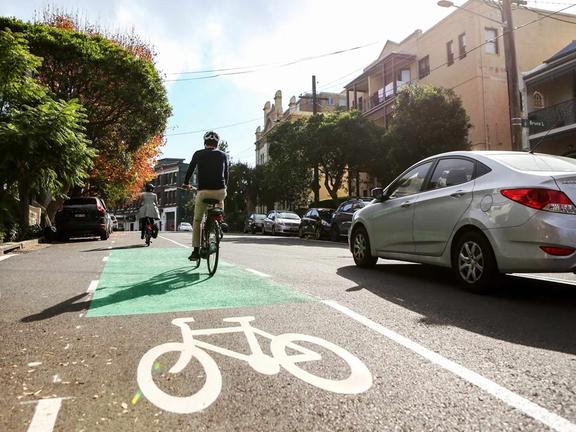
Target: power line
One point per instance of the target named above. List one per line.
(258, 68)
(215, 128)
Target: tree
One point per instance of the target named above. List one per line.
(288, 172)
(426, 121)
(42, 140)
(117, 83)
(340, 142)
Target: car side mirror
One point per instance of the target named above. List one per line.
(378, 194)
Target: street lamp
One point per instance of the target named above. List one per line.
(511, 66)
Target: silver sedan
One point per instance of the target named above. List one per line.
(481, 213)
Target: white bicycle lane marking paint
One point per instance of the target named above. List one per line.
(45, 414)
(359, 380)
(522, 404)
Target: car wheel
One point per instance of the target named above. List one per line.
(104, 235)
(301, 233)
(317, 233)
(335, 234)
(474, 263)
(273, 230)
(263, 230)
(361, 249)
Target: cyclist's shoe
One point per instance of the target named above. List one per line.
(195, 255)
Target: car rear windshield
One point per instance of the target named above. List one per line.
(288, 216)
(80, 201)
(259, 216)
(537, 162)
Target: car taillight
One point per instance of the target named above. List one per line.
(100, 210)
(557, 251)
(541, 199)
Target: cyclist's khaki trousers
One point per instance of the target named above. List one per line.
(200, 208)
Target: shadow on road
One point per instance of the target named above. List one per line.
(523, 311)
(136, 246)
(157, 285)
(282, 241)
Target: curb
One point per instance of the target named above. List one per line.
(8, 247)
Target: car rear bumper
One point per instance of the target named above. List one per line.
(288, 230)
(81, 228)
(517, 249)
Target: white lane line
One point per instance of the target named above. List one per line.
(45, 415)
(92, 286)
(6, 256)
(105, 259)
(528, 407)
(256, 272)
(544, 278)
(175, 242)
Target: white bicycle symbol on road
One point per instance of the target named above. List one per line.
(359, 380)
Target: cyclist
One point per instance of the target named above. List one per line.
(148, 209)
(212, 177)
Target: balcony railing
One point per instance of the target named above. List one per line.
(555, 116)
(366, 103)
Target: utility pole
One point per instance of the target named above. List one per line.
(316, 185)
(512, 76)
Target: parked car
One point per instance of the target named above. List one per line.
(83, 216)
(342, 217)
(281, 222)
(481, 213)
(254, 222)
(184, 226)
(114, 222)
(316, 223)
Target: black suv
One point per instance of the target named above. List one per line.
(83, 217)
(342, 217)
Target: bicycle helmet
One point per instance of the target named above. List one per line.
(211, 138)
(149, 187)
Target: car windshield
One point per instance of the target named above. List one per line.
(259, 216)
(80, 201)
(536, 162)
(288, 216)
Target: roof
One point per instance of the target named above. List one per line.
(568, 49)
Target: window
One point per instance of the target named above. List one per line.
(449, 53)
(451, 172)
(423, 67)
(403, 75)
(462, 45)
(346, 207)
(411, 182)
(490, 40)
(342, 102)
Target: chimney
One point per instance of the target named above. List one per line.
(278, 104)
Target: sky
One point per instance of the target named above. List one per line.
(200, 35)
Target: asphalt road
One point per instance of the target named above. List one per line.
(88, 342)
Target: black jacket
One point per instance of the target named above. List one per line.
(212, 169)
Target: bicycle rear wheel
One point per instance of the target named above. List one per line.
(212, 245)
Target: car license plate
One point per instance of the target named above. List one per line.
(79, 215)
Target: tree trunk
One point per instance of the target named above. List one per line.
(23, 195)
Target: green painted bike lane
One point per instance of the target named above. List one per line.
(154, 280)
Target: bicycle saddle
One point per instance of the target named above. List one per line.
(210, 201)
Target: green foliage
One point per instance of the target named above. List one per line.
(123, 95)
(287, 174)
(42, 140)
(427, 120)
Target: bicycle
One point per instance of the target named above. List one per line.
(148, 230)
(211, 234)
(359, 380)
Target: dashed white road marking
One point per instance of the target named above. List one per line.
(45, 415)
(544, 278)
(105, 259)
(92, 286)
(257, 273)
(524, 405)
(175, 242)
(6, 256)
